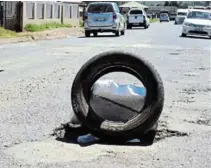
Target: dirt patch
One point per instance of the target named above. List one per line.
(44, 35)
(167, 133)
(206, 122)
(194, 90)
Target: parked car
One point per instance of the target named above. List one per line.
(181, 15)
(197, 22)
(103, 17)
(164, 17)
(137, 18)
(172, 16)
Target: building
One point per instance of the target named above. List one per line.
(14, 15)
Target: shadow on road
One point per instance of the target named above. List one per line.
(98, 36)
(196, 37)
(135, 142)
(82, 137)
(136, 28)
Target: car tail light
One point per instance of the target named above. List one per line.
(114, 16)
(85, 16)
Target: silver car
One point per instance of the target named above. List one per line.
(103, 17)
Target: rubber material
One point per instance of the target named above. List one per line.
(115, 61)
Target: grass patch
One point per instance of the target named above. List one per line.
(153, 20)
(4, 33)
(45, 26)
(81, 23)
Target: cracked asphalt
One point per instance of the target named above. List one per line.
(35, 85)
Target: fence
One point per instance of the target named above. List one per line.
(44, 12)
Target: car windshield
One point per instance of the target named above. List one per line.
(199, 15)
(163, 14)
(100, 8)
(182, 13)
(135, 12)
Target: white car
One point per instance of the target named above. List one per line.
(181, 15)
(137, 18)
(103, 17)
(197, 22)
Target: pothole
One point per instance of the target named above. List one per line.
(167, 133)
(194, 90)
(69, 133)
(174, 53)
(205, 122)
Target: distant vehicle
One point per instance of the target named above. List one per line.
(171, 10)
(197, 22)
(181, 15)
(137, 18)
(103, 17)
(164, 17)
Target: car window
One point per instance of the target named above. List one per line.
(116, 8)
(135, 12)
(182, 13)
(163, 14)
(199, 15)
(99, 8)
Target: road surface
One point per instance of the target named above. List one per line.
(35, 88)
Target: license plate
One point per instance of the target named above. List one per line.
(135, 24)
(199, 29)
(100, 19)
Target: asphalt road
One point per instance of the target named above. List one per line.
(35, 88)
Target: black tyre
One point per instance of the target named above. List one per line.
(146, 26)
(129, 26)
(183, 35)
(87, 34)
(117, 61)
(95, 34)
(117, 33)
(123, 32)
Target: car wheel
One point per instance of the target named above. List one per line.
(175, 22)
(117, 33)
(183, 35)
(113, 61)
(129, 26)
(123, 32)
(146, 26)
(210, 37)
(95, 34)
(87, 34)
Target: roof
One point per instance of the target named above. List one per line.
(73, 2)
(99, 2)
(136, 9)
(183, 10)
(133, 4)
(200, 10)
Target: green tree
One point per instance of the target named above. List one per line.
(166, 3)
(173, 3)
